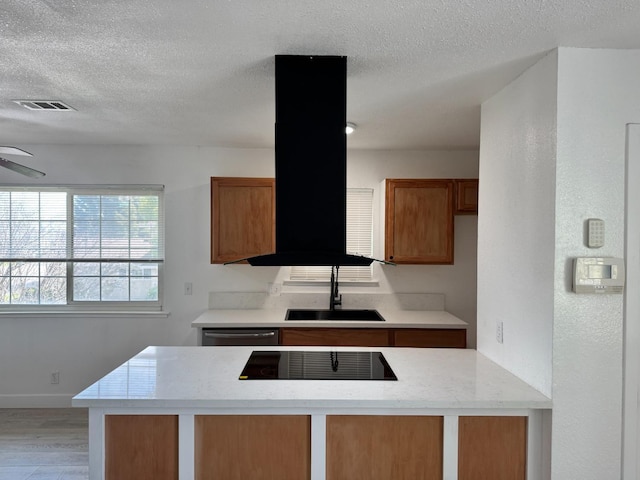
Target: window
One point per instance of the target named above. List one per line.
(359, 240)
(81, 246)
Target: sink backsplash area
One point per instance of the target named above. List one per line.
(393, 301)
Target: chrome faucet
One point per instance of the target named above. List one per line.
(335, 299)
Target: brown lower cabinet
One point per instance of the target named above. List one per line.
(384, 447)
(492, 447)
(257, 447)
(375, 337)
(430, 338)
(278, 447)
(141, 447)
(349, 337)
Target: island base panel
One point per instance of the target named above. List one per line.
(384, 447)
(492, 447)
(257, 447)
(141, 447)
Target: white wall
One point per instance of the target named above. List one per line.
(516, 227)
(596, 96)
(85, 348)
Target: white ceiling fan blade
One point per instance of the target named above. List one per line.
(14, 151)
(16, 167)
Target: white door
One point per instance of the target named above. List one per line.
(631, 399)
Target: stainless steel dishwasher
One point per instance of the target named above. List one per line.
(239, 336)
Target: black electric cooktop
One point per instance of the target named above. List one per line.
(325, 365)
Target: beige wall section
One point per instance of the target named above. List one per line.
(84, 349)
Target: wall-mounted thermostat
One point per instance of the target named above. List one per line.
(598, 275)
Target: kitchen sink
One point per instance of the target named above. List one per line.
(334, 315)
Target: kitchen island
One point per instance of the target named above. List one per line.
(197, 406)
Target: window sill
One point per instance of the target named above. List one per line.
(84, 313)
(327, 283)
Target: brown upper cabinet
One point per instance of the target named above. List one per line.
(419, 221)
(467, 196)
(242, 218)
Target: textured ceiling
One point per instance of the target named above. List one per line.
(201, 72)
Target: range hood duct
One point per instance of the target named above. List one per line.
(311, 163)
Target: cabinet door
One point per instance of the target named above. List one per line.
(350, 337)
(256, 447)
(467, 197)
(430, 338)
(242, 218)
(419, 221)
(143, 447)
(362, 447)
(492, 447)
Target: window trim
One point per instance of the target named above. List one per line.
(101, 307)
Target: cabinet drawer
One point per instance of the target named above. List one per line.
(430, 338)
(350, 337)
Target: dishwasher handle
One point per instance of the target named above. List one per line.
(239, 335)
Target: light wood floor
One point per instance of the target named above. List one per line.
(44, 444)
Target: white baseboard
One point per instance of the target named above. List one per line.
(36, 401)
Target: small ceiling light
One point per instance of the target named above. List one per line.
(350, 128)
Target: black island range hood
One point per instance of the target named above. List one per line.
(311, 163)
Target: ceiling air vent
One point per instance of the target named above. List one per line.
(50, 105)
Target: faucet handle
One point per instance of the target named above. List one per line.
(338, 300)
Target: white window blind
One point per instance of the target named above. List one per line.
(359, 240)
(80, 245)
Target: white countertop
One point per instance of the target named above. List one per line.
(274, 318)
(197, 377)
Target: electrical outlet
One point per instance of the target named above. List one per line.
(55, 378)
(499, 332)
(188, 288)
(274, 289)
